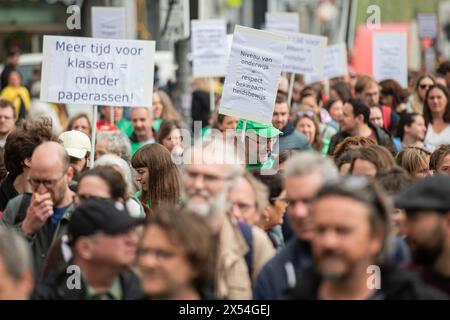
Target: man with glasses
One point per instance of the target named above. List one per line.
(349, 241)
(368, 90)
(259, 143)
(103, 240)
(43, 216)
(304, 175)
(209, 172)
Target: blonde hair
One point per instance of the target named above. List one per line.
(413, 159)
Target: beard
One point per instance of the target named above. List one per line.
(426, 255)
(333, 267)
(209, 208)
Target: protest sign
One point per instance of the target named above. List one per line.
(305, 54)
(108, 22)
(427, 25)
(335, 64)
(209, 48)
(253, 71)
(110, 72)
(282, 22)
(390, 57)
(174, 19)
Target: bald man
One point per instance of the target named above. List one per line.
(43, 215)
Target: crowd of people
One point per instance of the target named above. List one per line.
(346, 195)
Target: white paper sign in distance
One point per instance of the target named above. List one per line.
(282, 22)
(108, 22)
(253, 71)
(427, 25)
(390, 57)
(209, 48)
(305, 54)
(93, 71)
(177, 27)
(335, 65)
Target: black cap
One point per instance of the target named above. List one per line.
(429, 194)
(106, 215)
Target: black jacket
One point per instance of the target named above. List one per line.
(383, 139)
(7, 191)
(396, 284)
(55, 287)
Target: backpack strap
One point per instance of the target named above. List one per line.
(246, 231)
(23, 207)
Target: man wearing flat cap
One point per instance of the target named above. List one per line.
(427, 206)
(103, 243)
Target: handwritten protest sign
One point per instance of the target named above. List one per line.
(252, 76)
(390, 57)
(335, 64)
(305, 54)
(209, 48)
(97, 71)
(108, 22)
(282, 22)
(427, 25)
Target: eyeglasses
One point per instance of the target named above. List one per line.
(308, 114)
(243, 207)
(48, 183)
(207, 178)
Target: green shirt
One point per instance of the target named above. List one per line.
(156, 124)
(138, 196)
(125, 127)
(114, 292)
(265, 165)
(135, 145)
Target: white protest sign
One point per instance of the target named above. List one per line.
(253, 71)
(427, 25)
(92, 71)
(229, 42)
(305, 54)
(335, 64)
(108, 22)
(390, 57)
(209, 48)
(174, 19)
(282, 22)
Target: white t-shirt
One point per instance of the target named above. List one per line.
(436, 139)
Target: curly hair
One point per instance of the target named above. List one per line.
(22, 141)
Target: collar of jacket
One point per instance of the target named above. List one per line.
(287, 129)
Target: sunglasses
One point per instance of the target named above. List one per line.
(424, 86)
(308, 114)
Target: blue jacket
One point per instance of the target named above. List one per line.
(278, 274)
(292, 139)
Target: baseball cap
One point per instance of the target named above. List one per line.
(429, 194)
(260, 129)
(76, 143)
(106, 215)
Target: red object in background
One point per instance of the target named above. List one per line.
(106, 126)
(361, 60)
(1, 214)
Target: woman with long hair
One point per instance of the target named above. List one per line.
(416, 101)
(436, 113)
(158, 176)
(163, 110)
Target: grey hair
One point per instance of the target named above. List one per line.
(306, 163)
(14, 253)
(117, 143)
(113, 160)
(215, 151)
